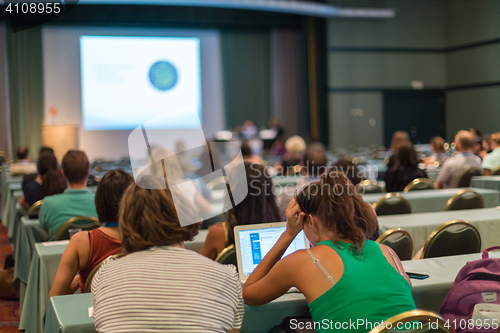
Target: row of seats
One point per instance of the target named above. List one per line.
(395, 203)
(452, 238)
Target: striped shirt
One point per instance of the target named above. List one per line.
(166, 289)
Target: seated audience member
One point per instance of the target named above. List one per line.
(492, 160)
(399, 138)
(487, 142)
(159, 286)
(259, 206)
(295, 147)
(76, 200)
(349, 169)
(275, 126)
(437, 150)
(455, 166)
(87, 249)
(278, 147)
(48, 182)
(23, 165)
(476, 134)
(32, 176)
(175, 177)
(404, 171)
(343, 275)
(249, 130)
(313, 165)
(477, 142)
(246, 152)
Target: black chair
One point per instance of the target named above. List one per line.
(400, 241)
(419, 184)
(496, 172)
(80, 222)
(416, 321)
(227, 256)
(452, 238)
(217, 183)
(466, 199)
(87, 288)
(391, 204)
(370, 186)
(34, 209)
(466, 177)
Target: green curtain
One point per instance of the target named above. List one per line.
(25, 75)
(246, 73)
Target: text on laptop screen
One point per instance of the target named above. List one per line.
(256, 243)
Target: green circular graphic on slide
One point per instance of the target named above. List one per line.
(163, 75)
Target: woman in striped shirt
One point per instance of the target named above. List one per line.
(159, 286)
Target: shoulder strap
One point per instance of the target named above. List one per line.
(485, 253)
(317, 263)
(398, 268)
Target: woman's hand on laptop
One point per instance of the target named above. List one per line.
(294, 218)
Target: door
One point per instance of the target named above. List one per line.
(421, 113)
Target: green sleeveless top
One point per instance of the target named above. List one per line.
(369, 291)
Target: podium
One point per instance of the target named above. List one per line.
(61, 138)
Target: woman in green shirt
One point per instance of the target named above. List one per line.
(350, 283)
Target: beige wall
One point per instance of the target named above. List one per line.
(368, 55)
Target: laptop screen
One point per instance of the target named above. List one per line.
(255, 243)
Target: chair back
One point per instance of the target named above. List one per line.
(392, 203)
(34, 209)
(81, 222)
(88, 283)
(400, 241)
(419, 184)
(227, 256)
(370, 186)
(292, 171)
(466, 177)
(452, 238)
(496, 172)
(219, 182)
(414, 321)
(466, 199)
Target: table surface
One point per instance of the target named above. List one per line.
(70, 313)
(435, 200)
(43, 268)
(490, 182)
(421, 225)
(488, 178)
(29, 233)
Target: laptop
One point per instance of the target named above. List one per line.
(253, 242)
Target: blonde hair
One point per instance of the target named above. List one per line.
(399, 138)
(437, 143)
(295, 144)
(496, 138)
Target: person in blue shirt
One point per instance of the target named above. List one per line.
(76, 200)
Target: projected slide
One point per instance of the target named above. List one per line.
(127, 81)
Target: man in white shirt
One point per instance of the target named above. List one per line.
(492, 160)
(464, 159)
(23, 165)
